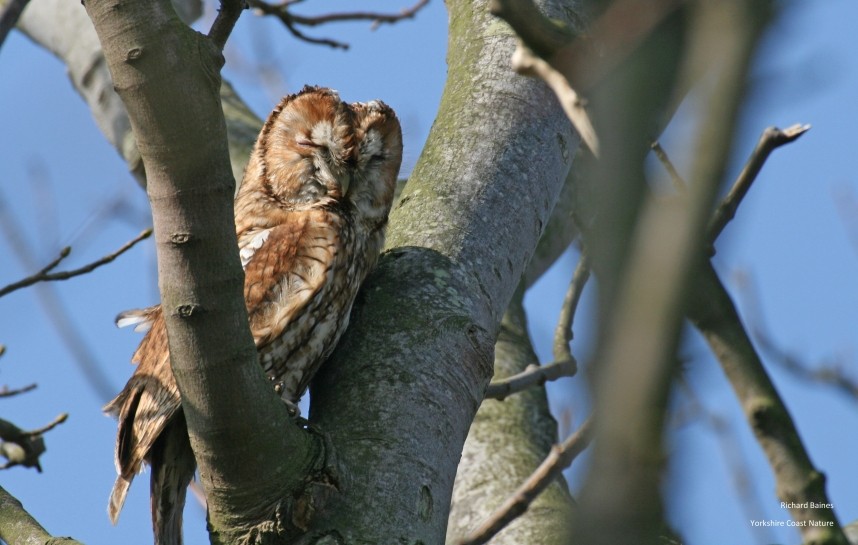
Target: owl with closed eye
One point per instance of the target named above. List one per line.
(310, 216)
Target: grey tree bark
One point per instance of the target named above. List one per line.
(401, 390)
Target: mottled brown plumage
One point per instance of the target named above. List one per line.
(310, 218)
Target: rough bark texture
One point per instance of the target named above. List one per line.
(507, 441)
(17, 526)
(399, 394)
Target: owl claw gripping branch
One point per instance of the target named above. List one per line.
(310, 217)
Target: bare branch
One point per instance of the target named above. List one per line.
(563, 333)
(291, 20)
(21, 447)
(55, 310)
(45, 275)
(771, 139)
(376, 18)
(560, 458)
(533, 375)
(9, 17)
(678, 183)
(227, 15)
(799, 483)
(44, 429)
(6, 392)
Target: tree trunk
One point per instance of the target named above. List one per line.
(400, 392)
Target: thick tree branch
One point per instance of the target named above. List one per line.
(560, 458)
(168, 78)
(505, 442)
(18, 526)
(227, 16)
(437, 296)
(45, 275)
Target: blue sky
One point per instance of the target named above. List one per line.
(795, 236)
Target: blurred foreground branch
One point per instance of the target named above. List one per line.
(21, 447)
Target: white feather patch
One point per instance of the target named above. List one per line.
(255, 243)
(141, 319)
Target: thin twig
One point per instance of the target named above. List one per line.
(563, 332)
(6, 392)
(9, 17)
(56, 312)
(290, 20)
(45, 275)
(227, 15)
(45, 429)
(533, 375)
(376, 18)
(560, 457)
(771, 139)
(678, 183)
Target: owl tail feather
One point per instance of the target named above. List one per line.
(117, 498)
(173, 467)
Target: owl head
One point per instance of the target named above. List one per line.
(378, 141)
(305, 152)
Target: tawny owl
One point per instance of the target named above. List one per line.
(310, 218)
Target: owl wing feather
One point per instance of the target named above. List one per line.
(286, 267)
(289, 270)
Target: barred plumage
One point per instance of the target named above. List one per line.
(310, 218)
